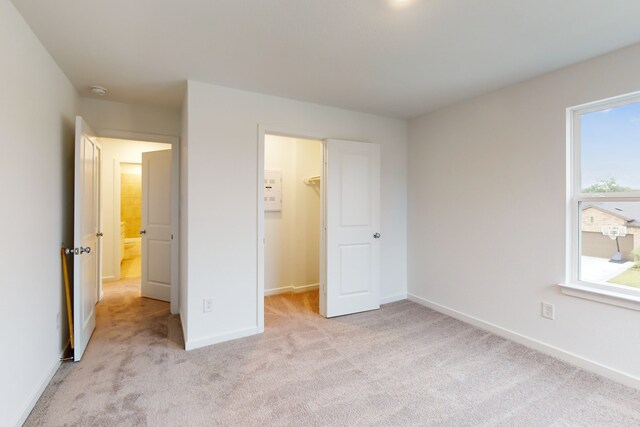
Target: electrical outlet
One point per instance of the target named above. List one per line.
(548, 310)
(208, 305)
(58, 320)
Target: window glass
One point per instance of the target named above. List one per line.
(610, 149)
(610, 243)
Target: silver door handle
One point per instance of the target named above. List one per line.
(143, 232)
(376, 236)
(77, 251)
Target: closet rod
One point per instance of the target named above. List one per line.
(312, 179)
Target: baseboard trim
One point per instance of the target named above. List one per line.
(288, 289)
(215, 339)
(566, 356)
(392, 298)
(31, 403)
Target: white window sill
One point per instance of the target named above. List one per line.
(620, 298)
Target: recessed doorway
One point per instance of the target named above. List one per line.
(122, 206)
(292, 220)
(130, 220)
(348, 231)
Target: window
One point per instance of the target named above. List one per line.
(604, 200)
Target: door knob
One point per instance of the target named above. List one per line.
(143, 232)
(99, 234)
(376, 236)
(77, 251)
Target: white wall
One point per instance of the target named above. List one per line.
(292, 236)
(37, 109)
(487, 214)
(108, 117)
(222, 196)
(114, 152)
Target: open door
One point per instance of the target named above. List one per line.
(156, 225)
(352, 221)
(86, 269)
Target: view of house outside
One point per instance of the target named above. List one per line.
(610, 163)
(607, 258)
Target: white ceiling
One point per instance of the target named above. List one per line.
(366, 55)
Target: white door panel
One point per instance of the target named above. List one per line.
(352, 215)
(156, 225)
(158, 251)
(355, 274)
(86, 271)
(356, 205)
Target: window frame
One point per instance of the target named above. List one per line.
(613, 294)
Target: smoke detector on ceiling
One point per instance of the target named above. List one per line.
(99, 90)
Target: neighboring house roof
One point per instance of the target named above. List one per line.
(628, 211)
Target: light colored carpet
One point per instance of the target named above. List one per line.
(401, 365)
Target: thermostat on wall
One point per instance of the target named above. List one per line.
(272, 191)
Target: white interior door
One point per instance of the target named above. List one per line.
(156, 225)
(352, 220)
(86, 268)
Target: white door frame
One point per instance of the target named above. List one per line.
(175, 200)
(264, 130)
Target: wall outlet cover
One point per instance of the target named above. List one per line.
(208, 305)
(548, 310)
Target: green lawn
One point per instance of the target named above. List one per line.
(631, 277)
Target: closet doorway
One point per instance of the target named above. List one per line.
(348, 230)
(292, 219)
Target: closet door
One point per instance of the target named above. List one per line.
(352, 220)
